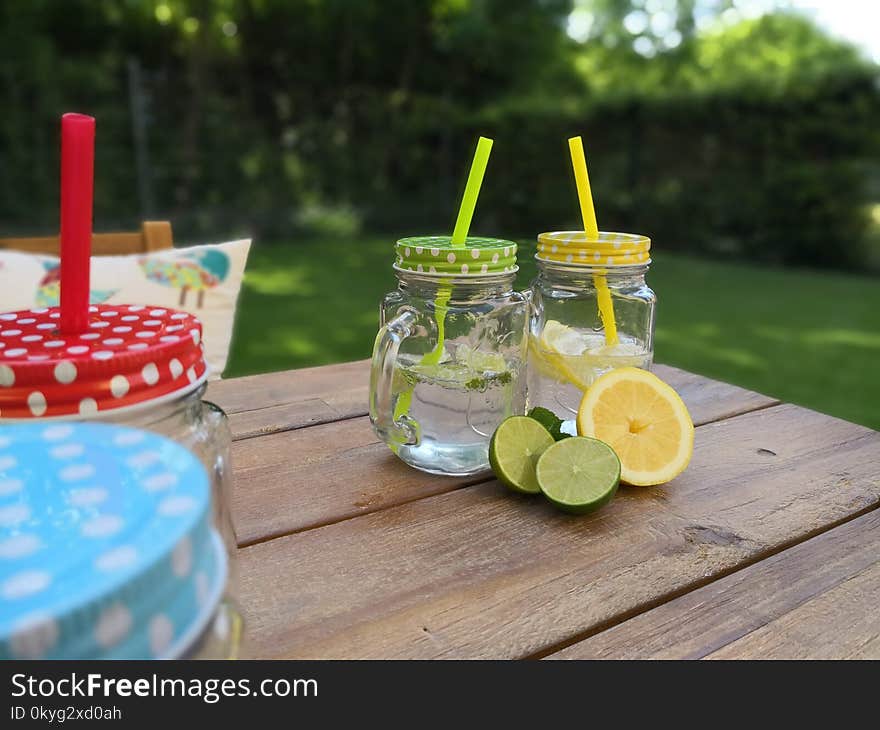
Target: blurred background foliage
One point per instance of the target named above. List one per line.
(755, 138)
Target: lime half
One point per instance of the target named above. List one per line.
(514, 449)
(578, 474)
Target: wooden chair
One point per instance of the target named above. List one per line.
(153, 236)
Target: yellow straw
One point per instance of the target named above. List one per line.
(591, 230)
(471, 192)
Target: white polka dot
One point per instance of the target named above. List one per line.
(102, 526)
(153, 323)
(136, 308)
(176, 369)
(196, 335)
(119, 386)
(596, 256)
(179, 315)
(451, 258)
(25, 584)
(610, 260)
(113, 625)
(78, 350)
(57, 433)
(19, 546)
(161, 634)
(406, 251)
(54, 315)
(130, 318)
(4, 442)
(7, 376)
(93, 308)
(143, 459)
(158, 482)
(54, 343)
(122, 330)
(554, 248)
(191, 375)
(484, 268)
(116, 558)
(76, 472)
(8, 316)
(9, 333)
(464, 268)
(432, 270)
(37, 358)
(90, 336)
(435, 252)
(203, 589)
(138, 346)
(37, 403)
(150, 373)
(32, 338)
(181, 558)
(113, 341)
(66, 451)
(177, 505)
(10, 486)
(128, 438)
(87, 496)
(34, 636)
(145, 334)
(110, 313)
(174, 328)
(88, 407)
(419, 249)
(7, 462)
(419, 268)
(46, 326)
(102, 355)
(158, 312)
(40, 310)
(27, 320)
(14, 514)
(99, 325)
(494, 258)
(15, 352)
(569, 258)
(475, 253)
(65, 372)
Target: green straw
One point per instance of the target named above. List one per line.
(459, 238)
(471, 192)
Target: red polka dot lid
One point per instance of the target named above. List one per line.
(129, 355)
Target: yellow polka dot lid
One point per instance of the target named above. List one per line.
(127, 356)
(436, 255)
(106, 544)
(609, 249)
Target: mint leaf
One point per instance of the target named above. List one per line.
(550, 421)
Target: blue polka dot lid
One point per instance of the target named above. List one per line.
(106, 544)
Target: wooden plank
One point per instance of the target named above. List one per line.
(292, 481)
(814, 600)
(261, 404)
(479, 572)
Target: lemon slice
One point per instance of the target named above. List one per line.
(644, 420)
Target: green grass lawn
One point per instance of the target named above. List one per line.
(806, 337)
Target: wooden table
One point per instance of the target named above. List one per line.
(767, 546)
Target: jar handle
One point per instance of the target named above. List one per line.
(402, 430)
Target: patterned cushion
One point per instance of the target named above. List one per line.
(202, 280)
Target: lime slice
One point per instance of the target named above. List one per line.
(514, 449)
(578, 474)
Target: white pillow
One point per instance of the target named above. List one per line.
(202, 280)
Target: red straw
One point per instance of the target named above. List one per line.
(77, 187)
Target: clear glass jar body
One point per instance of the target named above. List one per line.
(567, 343)
(448, 367)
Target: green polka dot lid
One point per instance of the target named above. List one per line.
(437, 255)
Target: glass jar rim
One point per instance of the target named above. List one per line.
(441, 277)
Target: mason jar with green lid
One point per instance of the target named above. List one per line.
(449, 359)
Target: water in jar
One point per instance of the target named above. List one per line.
(455, 405)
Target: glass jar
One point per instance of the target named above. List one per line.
(449, 359)
(109, 547)
(569, 343)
